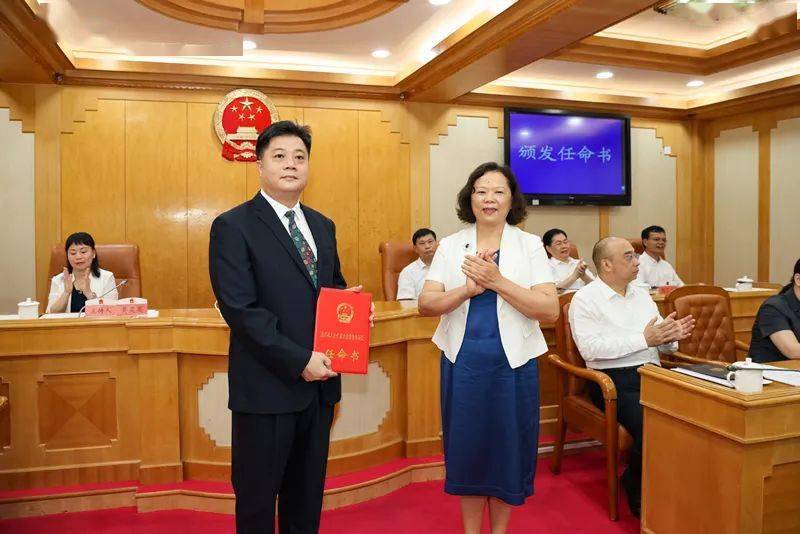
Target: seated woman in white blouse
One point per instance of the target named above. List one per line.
(82, 279)
(569, 273)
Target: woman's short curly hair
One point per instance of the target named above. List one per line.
(516, 214)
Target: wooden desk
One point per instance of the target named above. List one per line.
(100, 400)
(717, 461)
(94, 400)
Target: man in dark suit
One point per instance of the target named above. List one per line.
(268, 258)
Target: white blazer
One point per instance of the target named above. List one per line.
(523, 261)
(99, 285)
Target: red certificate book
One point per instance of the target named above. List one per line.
(342, 329)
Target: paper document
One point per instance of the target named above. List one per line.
(784, 377)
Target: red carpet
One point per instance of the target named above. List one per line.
(572, 502)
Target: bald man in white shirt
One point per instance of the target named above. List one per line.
(617, 329)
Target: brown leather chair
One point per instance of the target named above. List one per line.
(395, 257)
(573, 251)
(122, 260)
(713, 335)
(576, 411)
(638, 246)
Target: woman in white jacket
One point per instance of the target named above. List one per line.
(82, 278)
(491, 284)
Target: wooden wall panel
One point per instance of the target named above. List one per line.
(93, 175)
(383, 194)
(784, 200)
(333, 181)
(156, 201)
(214, 185)
(47, 169)
(735, 205)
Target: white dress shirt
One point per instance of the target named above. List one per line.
(411, 280)
(657, 273)
(100, 285)
(523, 261)
(563, 269)
(299, 218)
(609, 329)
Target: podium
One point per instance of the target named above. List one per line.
(718, 461)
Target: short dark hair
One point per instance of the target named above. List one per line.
(422, 232)
(280, 128)
(517, 212)
(82, 238)
(654, 229)
(548, 236)
(789, 286)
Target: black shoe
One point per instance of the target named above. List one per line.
(635, 505)
(632, 492)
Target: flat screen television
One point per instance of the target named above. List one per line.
(563, 157)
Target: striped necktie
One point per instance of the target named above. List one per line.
(303, 247)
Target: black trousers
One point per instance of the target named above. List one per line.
(629, 415)
(283, 457)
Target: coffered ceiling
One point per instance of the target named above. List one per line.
(413, 48)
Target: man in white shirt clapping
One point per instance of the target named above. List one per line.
(654, 270)
(412, 278)
(617, 329)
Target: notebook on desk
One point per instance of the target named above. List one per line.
(710, 372)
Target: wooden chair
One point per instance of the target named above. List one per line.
(120, 259)
(394, 258)
(713, 337)
(576, 411)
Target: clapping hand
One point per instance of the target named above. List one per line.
(668, 330)
(69, 280)
(481, 271)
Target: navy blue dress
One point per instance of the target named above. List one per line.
(490, 413)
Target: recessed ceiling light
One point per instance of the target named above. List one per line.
(381, 53)
(247, 44)
(695, 83)
(604, 75)
(438, 2)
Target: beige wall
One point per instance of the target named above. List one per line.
(735, 205)
(653, 191)
(17, 239)
(784, 200)
(467, 144)
(580, 222)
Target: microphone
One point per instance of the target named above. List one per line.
(124, 282)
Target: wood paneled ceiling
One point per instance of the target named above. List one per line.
(496, 52)
(273, 16)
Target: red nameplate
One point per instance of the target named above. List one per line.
(127, 307)
(342, 329)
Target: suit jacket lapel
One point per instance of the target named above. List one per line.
(268, 216)
(322, 239)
